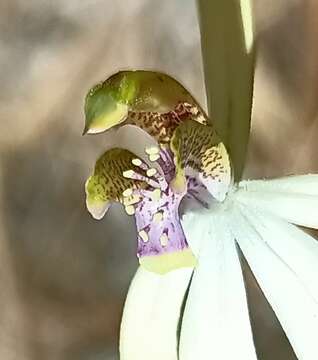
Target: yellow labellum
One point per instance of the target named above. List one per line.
(164, 263)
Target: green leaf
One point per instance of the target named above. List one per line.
(228, 59)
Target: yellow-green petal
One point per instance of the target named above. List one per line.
(198, 147)
(108, 183)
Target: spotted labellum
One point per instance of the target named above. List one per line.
(187, 161)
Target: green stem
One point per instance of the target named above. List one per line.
(228, 59)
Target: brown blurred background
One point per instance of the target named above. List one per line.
(63, 275)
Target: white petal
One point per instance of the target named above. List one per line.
(296, 248)
(216, 323)
(294, 198)
(303, 184)
(284, 287)
(151, 315)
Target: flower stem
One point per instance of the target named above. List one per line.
(228, 59)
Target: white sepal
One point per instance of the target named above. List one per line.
(151, 315)
(297, 249)
(284, 284)
(216, 322)
(294, 198)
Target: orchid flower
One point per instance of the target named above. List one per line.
(187, 300)
(187, 159)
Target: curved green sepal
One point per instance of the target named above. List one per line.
(110, 103)
(102, 109)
